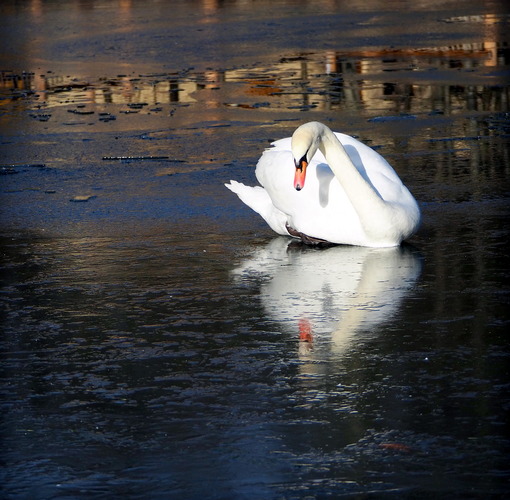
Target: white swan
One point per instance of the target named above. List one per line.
(351, 196)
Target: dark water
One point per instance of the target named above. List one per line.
(153, 334)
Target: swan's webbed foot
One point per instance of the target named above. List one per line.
(308, 240)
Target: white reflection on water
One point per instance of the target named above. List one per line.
(337, 292)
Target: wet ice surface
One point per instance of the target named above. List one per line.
(152, 323)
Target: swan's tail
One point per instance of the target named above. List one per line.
(259, 201)
(255, 197)
(235, 186)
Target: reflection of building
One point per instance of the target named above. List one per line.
(377, 82)
(55, 90)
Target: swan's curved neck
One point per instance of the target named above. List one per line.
(370, 207)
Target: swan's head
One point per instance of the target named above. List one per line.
(305, 142)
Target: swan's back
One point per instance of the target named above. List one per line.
(371, 165)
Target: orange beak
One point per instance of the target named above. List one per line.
(300, 175)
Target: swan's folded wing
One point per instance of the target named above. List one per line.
(259, 201)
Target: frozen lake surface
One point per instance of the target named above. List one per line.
(153, 327)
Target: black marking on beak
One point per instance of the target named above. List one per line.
(299, 163)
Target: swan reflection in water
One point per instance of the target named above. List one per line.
(331, 294)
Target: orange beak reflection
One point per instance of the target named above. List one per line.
(300, 175)
(305, 330)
